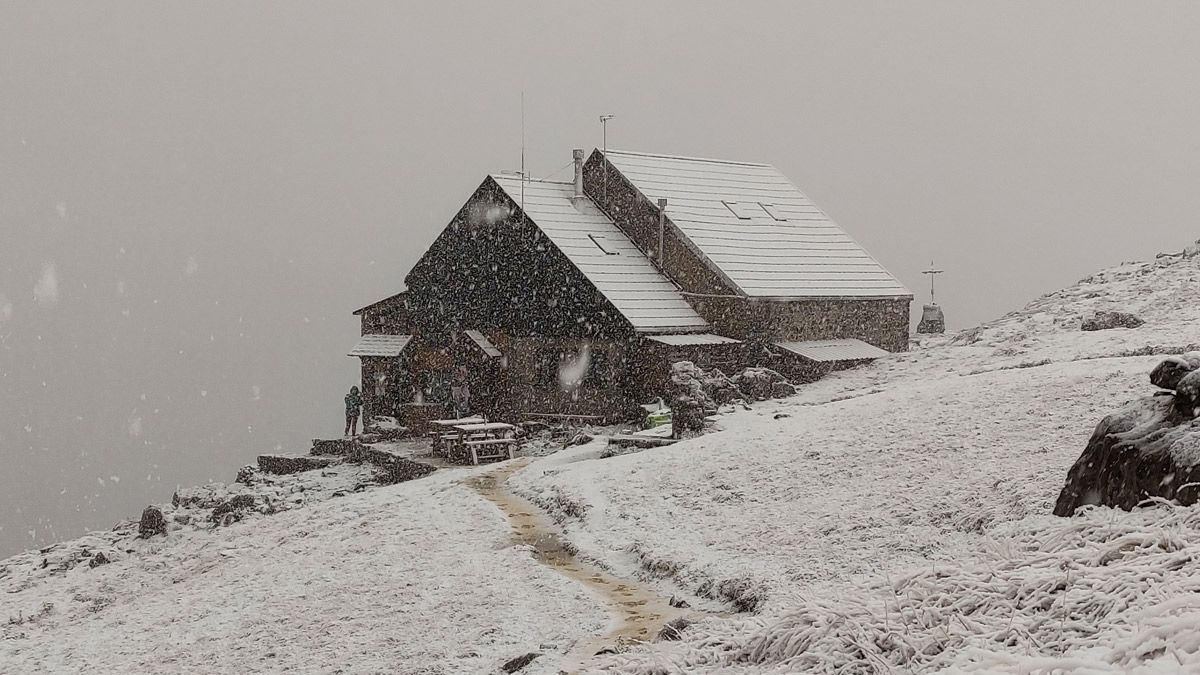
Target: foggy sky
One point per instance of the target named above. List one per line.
(194, 197)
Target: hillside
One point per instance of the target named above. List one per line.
(893, 517)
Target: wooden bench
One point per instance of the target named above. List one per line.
(491, 448)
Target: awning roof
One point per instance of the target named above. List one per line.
(833, 350)
(380, 345)
(690, 339)
(483, 343)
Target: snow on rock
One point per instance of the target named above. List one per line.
(1150, 448)
(1110, 320)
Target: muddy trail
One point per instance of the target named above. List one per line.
(637, 613)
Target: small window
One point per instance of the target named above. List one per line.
(773, 211)
(739, 209)
(604, 244)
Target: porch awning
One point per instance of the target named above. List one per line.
(380, 345)
(690, 339)
(483, 343)
(824, 351)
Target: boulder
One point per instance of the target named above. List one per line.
(520, 662)
(98, 560)
(1150, 448)
(153, 522)
(1107, 320)
(232, 507)
(247, 475)
(760, 384)
(285, 464)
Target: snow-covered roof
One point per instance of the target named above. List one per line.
(380, 345)
(825, 351)
(756, 229)
(602, 252)
(690, 339)
(483, 343)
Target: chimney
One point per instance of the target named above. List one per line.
(578, 153)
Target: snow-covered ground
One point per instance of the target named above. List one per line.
(888, 518)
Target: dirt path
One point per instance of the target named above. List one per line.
(638, 613)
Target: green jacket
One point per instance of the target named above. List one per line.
(353, 403)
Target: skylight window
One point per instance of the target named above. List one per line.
(773, 211)
(604, 244)
(739, 209)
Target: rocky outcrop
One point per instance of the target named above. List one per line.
(760, 384)
(1150, 448)
(231, 509)
(1107, 320)
(152, 522)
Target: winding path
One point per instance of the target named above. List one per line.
(638, 612)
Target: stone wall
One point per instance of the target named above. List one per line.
(883, 323)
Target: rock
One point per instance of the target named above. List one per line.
(247, 474)
(780, 416)
(98, 560)
(285, 464)
(674, 629)
(581, 438)
(759, 384)
(1150, 448)
(678, 603)
(204, 497)
(182, 518)
(396, 469)
(152, 522)
(1107, 320)
(232, 507)
(782, 389)
(520, 662)
(1168, 373)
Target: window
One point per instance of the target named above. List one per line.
(604, 244)
(773, 211)
(739, 209)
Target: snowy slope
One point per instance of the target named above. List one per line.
(889, 518)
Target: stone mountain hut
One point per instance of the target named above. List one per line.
(575, 297)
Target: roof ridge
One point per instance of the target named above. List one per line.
(686, 157)
(517, 177)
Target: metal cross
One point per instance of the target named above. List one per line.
(932, 271)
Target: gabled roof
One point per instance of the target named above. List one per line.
(602, 252)
(826, 351)
(373, 305)
(756, 229)
(380, 345)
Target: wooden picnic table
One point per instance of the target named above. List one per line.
(483, 440)
(444, 430)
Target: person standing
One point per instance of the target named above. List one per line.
(353, 406)
(460, 393)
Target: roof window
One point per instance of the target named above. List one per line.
(739, 209)
(603, 244)
(773, 211)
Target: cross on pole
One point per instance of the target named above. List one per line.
(932, 272)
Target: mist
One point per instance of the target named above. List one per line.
(193, 198)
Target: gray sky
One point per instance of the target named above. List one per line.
(193, 197)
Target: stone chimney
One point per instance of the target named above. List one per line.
(578, 154)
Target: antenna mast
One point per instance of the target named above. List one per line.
(604, 144)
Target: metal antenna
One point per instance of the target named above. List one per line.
(932, 272)
(522, 155)
(604, 144)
